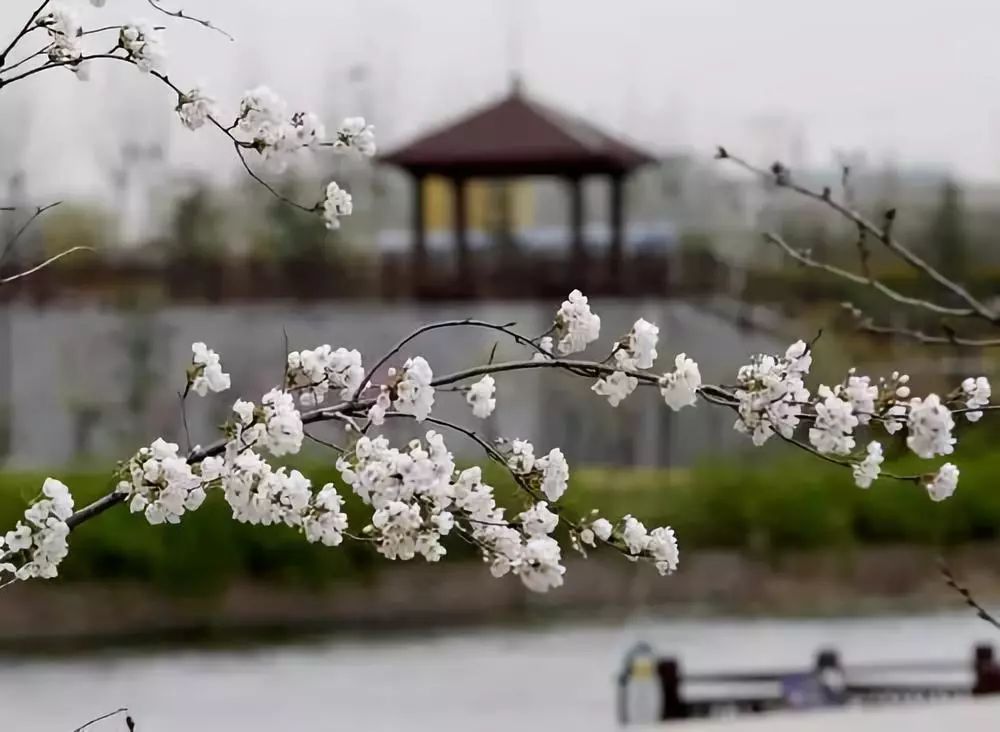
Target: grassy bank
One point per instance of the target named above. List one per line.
(766, 507)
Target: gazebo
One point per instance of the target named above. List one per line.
(519, 136)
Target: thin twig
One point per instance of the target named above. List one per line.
(867, 324)
(843, 462)
(9, 246)
(184, 16)
(122, 710)
(182, 395)
(868, 280)
(319, 441)
(23, 32)
(471, 322)
(950, 580)
(45, 264)
(270, 189)
(26, 59)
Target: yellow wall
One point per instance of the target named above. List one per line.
(482, 210)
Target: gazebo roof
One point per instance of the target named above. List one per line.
(518, 135)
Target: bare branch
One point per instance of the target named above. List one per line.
(123, 710)
(180, 14)
(28, 26)
(26, 59)
(950, 580)
(270, 189)
(781, 177)
(319, 441)
(808, 261)
(867, 325)
(843, 462)
(44, 264)
(9, 246)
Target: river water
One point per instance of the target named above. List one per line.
(556, 677)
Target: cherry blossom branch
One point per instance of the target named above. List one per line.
(180, 14)
(359, 405)
(239, 145)
(471, 322)
(781, 177)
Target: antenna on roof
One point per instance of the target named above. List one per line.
(515, 45)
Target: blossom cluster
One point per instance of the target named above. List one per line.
(313, 373)
(770, 393)
(160, 483)
(576, 325)
(418, 497)
(660, 544)
(206, 372)
(410, 391)
(259, 494)
(144, 45)
(480, 397)
(196, 107)
(355, 133)
(40, 539)
(64, 30)
(274, 132)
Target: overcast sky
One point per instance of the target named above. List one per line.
(913, 81)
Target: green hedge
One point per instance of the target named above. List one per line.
(776, 502)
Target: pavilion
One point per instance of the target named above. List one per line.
(518, 136)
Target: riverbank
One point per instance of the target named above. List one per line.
(57, 617)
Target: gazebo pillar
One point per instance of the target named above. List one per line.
(461, 227)
(576, 218)
(418, 226)
(617, 224)
(505, 227)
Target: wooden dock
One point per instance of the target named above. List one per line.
(653, 688)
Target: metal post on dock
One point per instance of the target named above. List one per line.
(986, 669)
(831, 677)
(669, 672)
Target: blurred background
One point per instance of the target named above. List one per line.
(527, 147)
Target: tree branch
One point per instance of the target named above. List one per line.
(44, 264)
(180, 14)
(867, 324)
(9, 246)
(950, 580)
(806, 260)
(23, 32)
(123, 710)
(781, 177)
